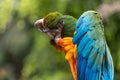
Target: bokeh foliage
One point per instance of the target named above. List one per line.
(26, 54)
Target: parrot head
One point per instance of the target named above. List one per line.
(52, 22)
(89, 18)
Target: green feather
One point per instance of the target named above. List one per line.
(69, 26)
(51, 21)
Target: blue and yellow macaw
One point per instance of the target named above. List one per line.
(86, 50)
(94, 61)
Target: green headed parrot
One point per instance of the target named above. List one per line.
(60, 28)
(87, 51)
(53, 20)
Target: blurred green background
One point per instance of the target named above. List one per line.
(26, 54)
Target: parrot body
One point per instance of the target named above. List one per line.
(87, 50)
(94, 61)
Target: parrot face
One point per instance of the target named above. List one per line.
(39, 24)
(55, 24)
(50, 24)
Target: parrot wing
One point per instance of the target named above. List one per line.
(94, 61)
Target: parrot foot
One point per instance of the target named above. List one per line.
(56, 32)
(59, 30)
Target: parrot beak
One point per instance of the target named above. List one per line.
(40, 26)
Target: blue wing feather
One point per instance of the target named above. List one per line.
(98, 62)
(109, 68)
(92, 57)
(88, 48)
(79, 65)
(94, 61)
(83, 68)
(83, 42)
(87, 72)
(78, 36)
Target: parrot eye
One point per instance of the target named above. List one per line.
(41, 29)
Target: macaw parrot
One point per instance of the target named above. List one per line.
(83, 43)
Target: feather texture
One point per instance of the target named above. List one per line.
(92, 49)
(51, 21)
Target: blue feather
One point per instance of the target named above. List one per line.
(79, 23)
(109, 64)
(105, 74)
(79, 62)
(98, 62)
(83, 68)
(87, 73)
(82, 44)
(94, 75)
(97, 77)
(90, 75)
(92, 57)
(78, 35)
(94, 61)
(88, 48)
